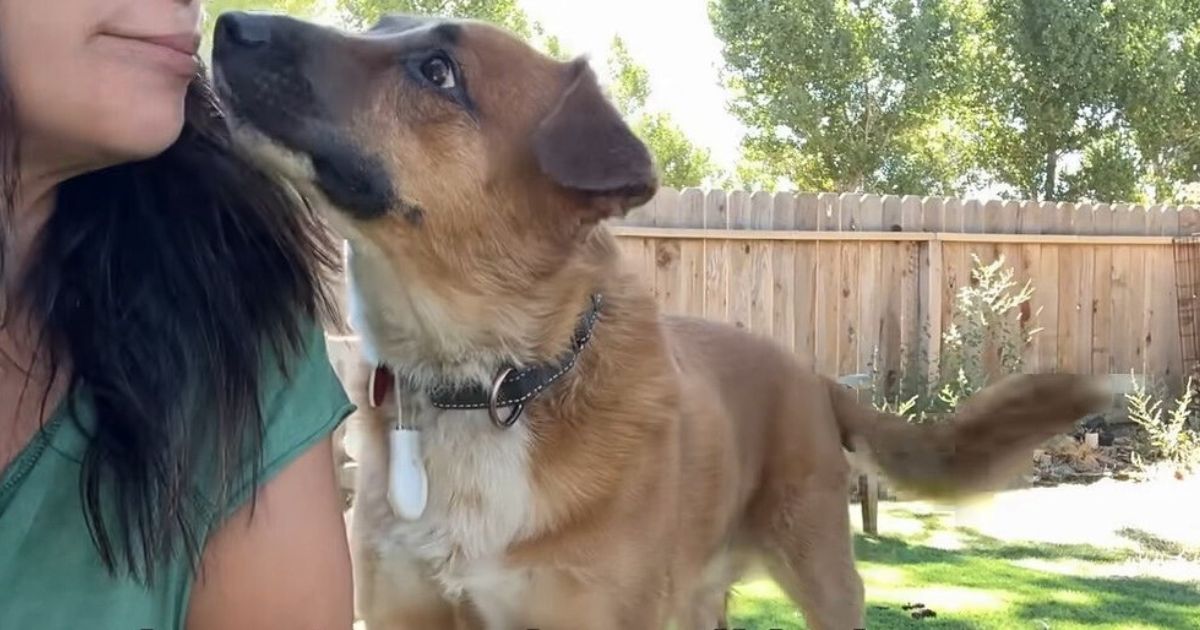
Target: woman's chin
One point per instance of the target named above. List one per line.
(133, 144)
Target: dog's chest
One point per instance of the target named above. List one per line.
(479, 503)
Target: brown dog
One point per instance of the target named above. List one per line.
(589, 463)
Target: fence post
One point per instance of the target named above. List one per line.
(930, 304)
(868, 485)
(868, 493)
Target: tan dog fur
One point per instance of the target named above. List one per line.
(635, 490)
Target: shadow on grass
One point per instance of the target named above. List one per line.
(985, 563)
(1023, 597)
(1158, 547)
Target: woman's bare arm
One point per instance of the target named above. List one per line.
(288, 566)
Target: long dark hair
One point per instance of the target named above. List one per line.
(168, 285)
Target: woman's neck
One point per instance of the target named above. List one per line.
(27, 221)
(28, 388)
(29, 216)
(41, 170)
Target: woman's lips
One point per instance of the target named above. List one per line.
(175, 53)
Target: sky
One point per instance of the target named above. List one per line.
(674, 40)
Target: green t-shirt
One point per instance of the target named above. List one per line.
(51, 577)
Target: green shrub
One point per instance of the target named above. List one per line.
(985, 340)
(1172, 438)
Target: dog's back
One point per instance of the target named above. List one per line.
(768, 407)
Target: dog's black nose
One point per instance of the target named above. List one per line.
(244, 29)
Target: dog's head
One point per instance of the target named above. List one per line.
(448, 145)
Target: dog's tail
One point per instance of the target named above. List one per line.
(987, 442)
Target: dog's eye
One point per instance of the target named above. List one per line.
(439, 72)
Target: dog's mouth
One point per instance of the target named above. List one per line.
(281, 114)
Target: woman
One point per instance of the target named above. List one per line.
(166, 403)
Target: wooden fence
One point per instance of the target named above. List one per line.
(855, 281)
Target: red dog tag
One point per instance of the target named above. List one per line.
(380, 385)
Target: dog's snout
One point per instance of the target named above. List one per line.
(244, 29)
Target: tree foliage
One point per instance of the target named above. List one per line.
(630, 80)
(360, 14)
(1157, 90)
(506, 13)
(1109, 171)
(1114, 83)
(848, 95)
(1047, 90)
(681, 163)
(936, 96)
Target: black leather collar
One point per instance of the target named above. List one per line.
(512, 388)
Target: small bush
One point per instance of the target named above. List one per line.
(985, 340)
(1171, 438)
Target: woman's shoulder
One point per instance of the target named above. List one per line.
(302, 402)
(301, 382)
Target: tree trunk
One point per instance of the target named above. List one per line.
(1051, 181)
(852, 183)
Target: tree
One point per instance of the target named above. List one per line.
(506, 13)
(1110, 172)
(681, 163)
(1113, 82)
(752, 172)
(1047, 90)
(851, 95)
(550, 44)
(630, 80)
(932, 96)
(1157, 89)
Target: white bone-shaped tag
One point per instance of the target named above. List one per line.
(408, 484)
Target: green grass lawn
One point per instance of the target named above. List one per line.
(972, 580)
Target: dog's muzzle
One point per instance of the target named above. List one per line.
(295, 83)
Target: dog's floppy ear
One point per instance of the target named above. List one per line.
(585, 147)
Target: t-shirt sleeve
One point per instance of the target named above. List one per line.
(299, 409)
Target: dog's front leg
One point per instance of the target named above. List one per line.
(706, 610)
(555, 601)
(393, 593)
(597, 610)
(593, 617)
